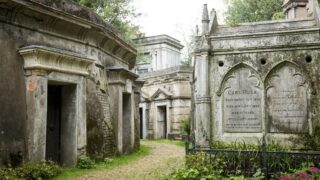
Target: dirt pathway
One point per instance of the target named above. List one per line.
(163, 159)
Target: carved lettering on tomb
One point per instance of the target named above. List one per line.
(242, 101)
(287, 100)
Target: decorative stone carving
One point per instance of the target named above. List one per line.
(242, 101)
(46, 58)
(287, 100)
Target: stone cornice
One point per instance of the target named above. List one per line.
(123, 71)
(49, 16)
(264, 34)
(52, 59)
(167, 71)
(160, 39)
(294, 3)
(275, 48)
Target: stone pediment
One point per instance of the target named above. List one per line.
(52, 59)
(162, 94)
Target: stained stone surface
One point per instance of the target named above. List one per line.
(242, 102)
(287, 101)
(257, 80)
(38, 50)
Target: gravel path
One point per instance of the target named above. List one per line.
(163, 159)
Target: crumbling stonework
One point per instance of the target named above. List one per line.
(55, 87)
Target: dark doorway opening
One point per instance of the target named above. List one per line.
(53, 136)
(162, 121)
(141, 122)
(61, 132)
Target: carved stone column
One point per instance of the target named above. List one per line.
(202, 99)
(201, 86)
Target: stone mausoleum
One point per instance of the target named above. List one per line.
(61, 67)
(258, 79)
(166, 94)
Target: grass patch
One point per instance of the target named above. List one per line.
(72, 173)
(167, 141)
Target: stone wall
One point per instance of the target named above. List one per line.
(101, 135)
(12, 100)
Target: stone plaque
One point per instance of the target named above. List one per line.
(287, 101)
(242, 101)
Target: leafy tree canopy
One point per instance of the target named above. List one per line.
(118, 13)
(240, 11)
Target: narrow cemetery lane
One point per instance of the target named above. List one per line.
(163, 159)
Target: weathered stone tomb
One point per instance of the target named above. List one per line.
(66, 88)
(166, 93)
(257, 79)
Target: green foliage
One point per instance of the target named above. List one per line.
(84, 162)
(271, 146)
(37, 171)
(278, 15)
(240, 11)
(309, 141)
(107, 161)
(117, 13)
(259, 175)
(8, 174)
(237, 178)
(276, 146)
(192, 174)
(185, 126)
(234, 145)
(197, 167)
(31, 171)
(236, 164)
(189, 42)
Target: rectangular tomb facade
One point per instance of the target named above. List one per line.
(166, 93)
(256, 80)
(165, 102)
(58, 85)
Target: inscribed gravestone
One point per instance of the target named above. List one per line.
(287, 101)
(242, 102)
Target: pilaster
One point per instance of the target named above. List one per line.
(36, 92)
(202, 99)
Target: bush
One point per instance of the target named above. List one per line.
(7, 174)
(197, 167)
(31, 171)
(38, 171)
(192, 174)
(84, 162)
